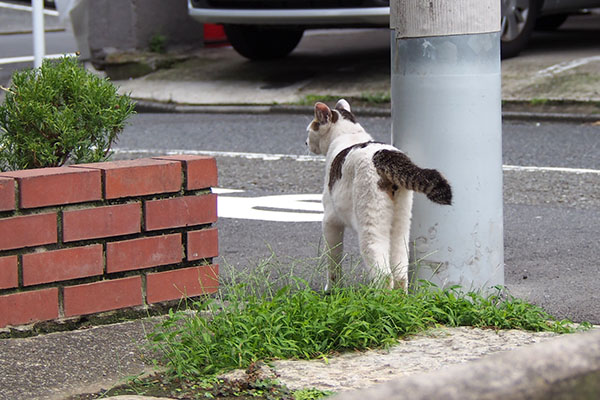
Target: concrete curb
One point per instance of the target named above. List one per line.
(146, 106)
(29, 31)
(565, 368)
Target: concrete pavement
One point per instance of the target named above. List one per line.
(560, 74)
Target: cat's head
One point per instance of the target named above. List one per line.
(328, 124)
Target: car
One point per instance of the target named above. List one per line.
(269, 29)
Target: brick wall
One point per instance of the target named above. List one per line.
(98, 237)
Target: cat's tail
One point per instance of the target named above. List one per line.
(397, 170)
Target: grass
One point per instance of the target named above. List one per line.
(245, 325)
(267, 314)
(364, 99)
(539, 102)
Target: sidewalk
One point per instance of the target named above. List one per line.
(566, 81)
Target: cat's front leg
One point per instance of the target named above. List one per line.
(333, 232)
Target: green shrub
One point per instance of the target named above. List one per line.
(59, 113)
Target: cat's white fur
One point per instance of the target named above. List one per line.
(381, 221)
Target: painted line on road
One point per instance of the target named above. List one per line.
(567, 65)
(19, 7)
(250, 156)
(15, 60)
(298, 157)
(550, 169)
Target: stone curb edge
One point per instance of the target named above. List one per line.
(565, 368)
(145, 106)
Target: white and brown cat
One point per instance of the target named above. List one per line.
(369, 188)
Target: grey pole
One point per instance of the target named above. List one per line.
(446, 114)
(39, 44)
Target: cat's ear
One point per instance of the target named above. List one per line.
(343, 105)
(322, 113)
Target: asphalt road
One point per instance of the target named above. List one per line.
(551, 215)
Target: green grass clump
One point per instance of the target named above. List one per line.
(366, 98)
(311, 394)
(297, 322)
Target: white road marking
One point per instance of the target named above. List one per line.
(297, 157)
(14, 60)
(279, 208)
(551, 169)
(19, 7)
(250, 156)
(567, 65)
(292, 207)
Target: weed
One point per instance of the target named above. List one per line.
(364, 98)
(158, 43)
(539, 102)
(376, 98)
(311, 99)
(251, 321)
(311, 394)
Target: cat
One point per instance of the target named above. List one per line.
(369, 188)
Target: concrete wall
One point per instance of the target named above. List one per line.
(130, 24)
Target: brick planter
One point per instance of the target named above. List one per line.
(92, 238)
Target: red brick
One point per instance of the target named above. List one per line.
(186, 282)
(25, 307)
(62, 265)
(101, 222)
(181, 211)
(53, 186)
(138, 177)
(28, 230)
(202, 244)
(200, 171)
(102, 296)
(9, 274)
(143, 253)
(7, 194)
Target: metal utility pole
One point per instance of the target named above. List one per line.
(446, 114)
(39, 44)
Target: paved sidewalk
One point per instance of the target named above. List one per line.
(356, 64)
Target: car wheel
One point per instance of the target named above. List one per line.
(263, 43)
(550, 22)
(518, 20)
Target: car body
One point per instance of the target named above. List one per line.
(263, 29)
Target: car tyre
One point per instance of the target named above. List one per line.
(518, 21)
(550, 22)
(263, 43)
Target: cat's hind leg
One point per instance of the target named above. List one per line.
(374, 213)
(375, 250)
(400, 237)
(333, 232)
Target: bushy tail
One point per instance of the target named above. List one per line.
(397, 170)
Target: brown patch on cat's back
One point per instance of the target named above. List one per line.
(335, 171)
